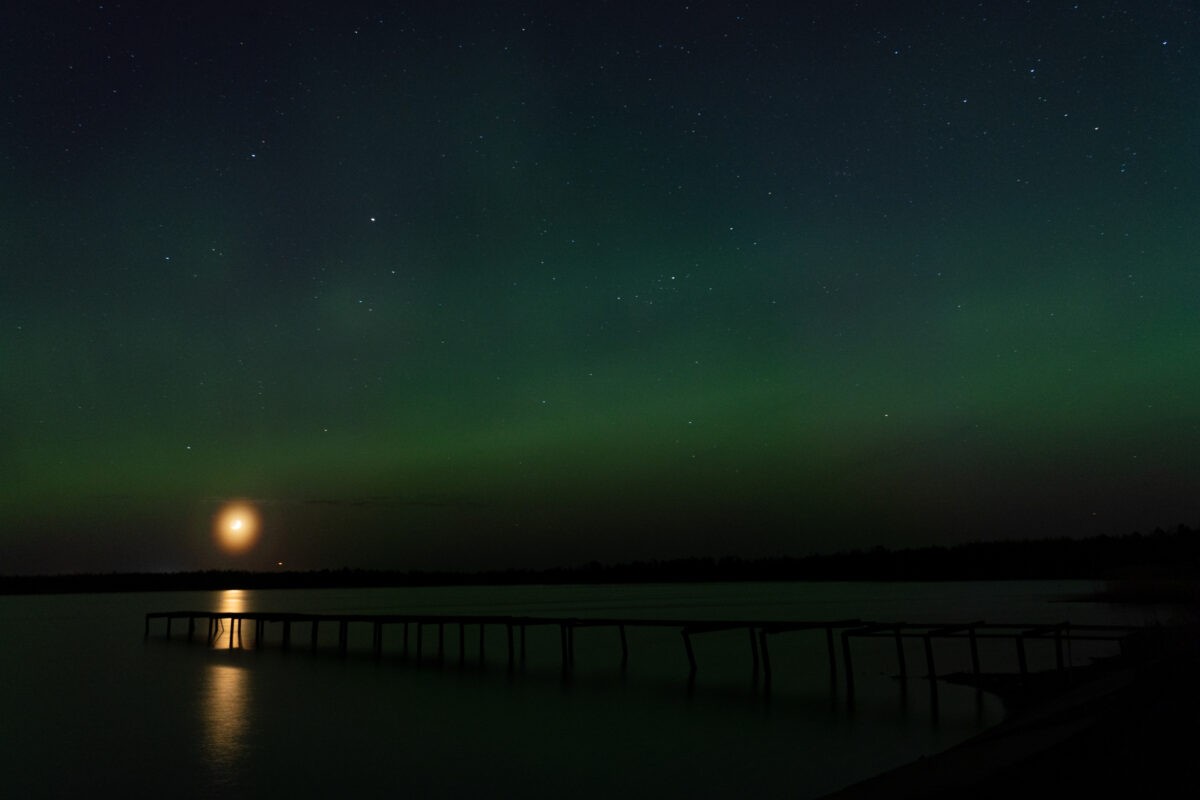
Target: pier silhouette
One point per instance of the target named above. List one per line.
(759, 633)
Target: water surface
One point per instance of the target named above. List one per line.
(87, 706)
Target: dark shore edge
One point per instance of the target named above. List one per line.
(1122, 728)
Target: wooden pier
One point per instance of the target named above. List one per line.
(759, 633)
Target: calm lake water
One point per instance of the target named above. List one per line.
(88, 707)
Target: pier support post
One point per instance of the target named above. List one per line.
(287, 634)
(522, 645)
(462, 643)
(753, 651)
(343, 636)
(691, 656)
(511, 651)
(900, 653)
(849, 664)
(232, 628)
(1058, 649)
(974, 651)
(766, 655)
(313, 635)
(406, 640)
(832, 654)
(377, 639)
(482, 627)
(441, 642)
(168, 627)
(420, 640)
(929, 658)
(1021, 662)
(191, 627)
(562, 634)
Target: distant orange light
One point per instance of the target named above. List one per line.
(236, 527)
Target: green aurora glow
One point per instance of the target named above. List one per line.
(539, 285)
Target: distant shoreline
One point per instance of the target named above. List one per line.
(1156, 567)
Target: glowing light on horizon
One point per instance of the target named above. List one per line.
(235, 527)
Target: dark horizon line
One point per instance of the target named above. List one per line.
(1158, 555)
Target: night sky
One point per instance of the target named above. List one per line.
(473, 285)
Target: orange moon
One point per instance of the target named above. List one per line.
(235, 527)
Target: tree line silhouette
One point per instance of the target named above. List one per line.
(1157, 555)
